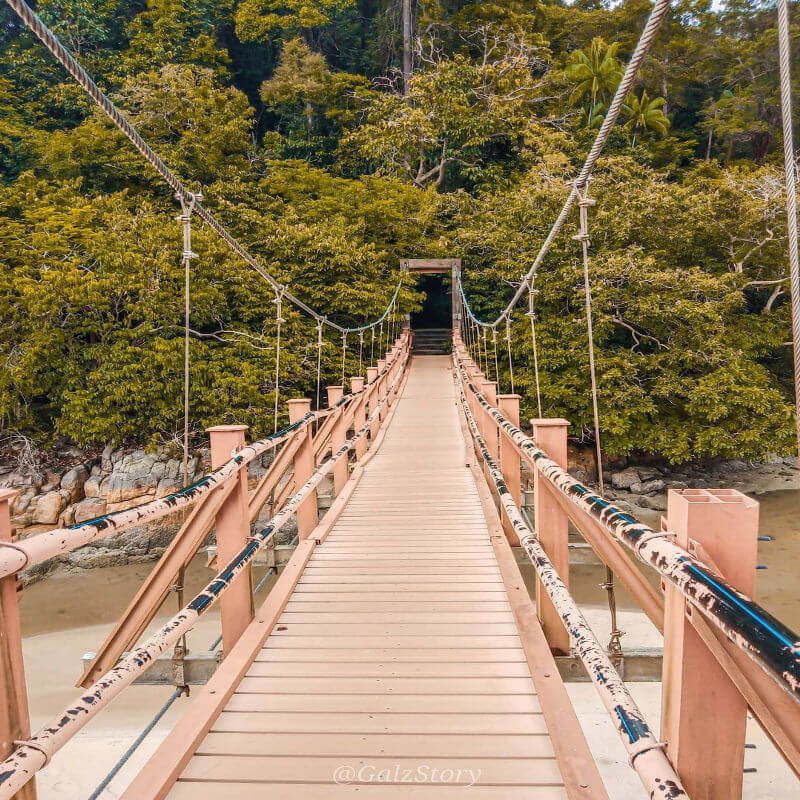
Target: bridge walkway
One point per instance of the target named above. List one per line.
(397, 663)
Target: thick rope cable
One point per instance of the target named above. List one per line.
(485, 352)
(660, 8)
(344, 355)
(278, 323)
(360, 350)
(790, 173)
(510, 360)
(584, 203)
(87, 83)
(372, 348)
(532, 314)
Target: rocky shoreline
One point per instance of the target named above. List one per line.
(74, 486)
(643, 487)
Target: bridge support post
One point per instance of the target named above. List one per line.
(552, 528)
(510, 461)
(307, 512)
(703, 714)
(338, 437)
(359, 415)
(14, 720)
(233, 528)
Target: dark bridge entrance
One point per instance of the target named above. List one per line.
(433, 323)
(436, 309)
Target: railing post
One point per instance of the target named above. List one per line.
(14, 720)
(338, 438)
(233, 528)
(703, 714)
(552, 527)
(510, 461)
(359, 415)
(307, 512)
(372, 374)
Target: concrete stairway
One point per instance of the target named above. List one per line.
(432, 341)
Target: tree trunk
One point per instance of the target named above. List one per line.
(708, 143)
(408, 27)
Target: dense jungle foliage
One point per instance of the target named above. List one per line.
(293, 119)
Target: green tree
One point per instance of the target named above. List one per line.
(645, 114)
(258, 20)
(596, 73)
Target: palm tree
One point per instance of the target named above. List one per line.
(645, 114)
(596, 72)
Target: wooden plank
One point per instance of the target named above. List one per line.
(320, 769)
(390, 745)
(430, 654)
(425, 588)
(416, 629)
(363, 723)
(401, 597)
(434, 608)
(392, 617)
(400, 686)
(217, 790)
(387, 704)
(391, 669)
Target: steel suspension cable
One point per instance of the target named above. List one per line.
(532, 314)
(372, 348)
(360, 349)
(660, 8)
(87, 83)
(278, 323)
(790, 173)
(584, 203)
(485, 351)
(344, 354)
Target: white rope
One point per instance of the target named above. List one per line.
(344, 352)
(185, 218)
(790, 171)
(532, 315)
(279, 322)
(319, 358)
(496, 366)
(510, 360)
(584, 203)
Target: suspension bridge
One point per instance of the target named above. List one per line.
(399, 651)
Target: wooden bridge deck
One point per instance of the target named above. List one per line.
(398, 652)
